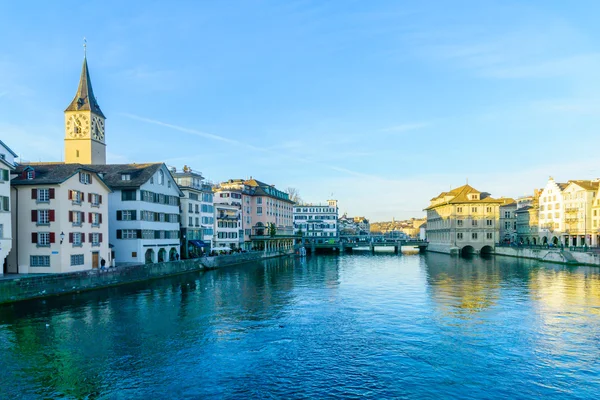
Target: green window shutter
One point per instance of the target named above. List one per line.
(5, 175)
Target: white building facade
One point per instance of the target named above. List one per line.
(551, 222)
(144, 213)
(61, 219)
(318, 222)
(7, 165)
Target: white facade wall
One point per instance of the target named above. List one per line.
(551, 212)
(60, 254)
(7, 162)
(318, 221)
(128, 251)
(228, 232)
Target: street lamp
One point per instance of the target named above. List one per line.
(62, 237)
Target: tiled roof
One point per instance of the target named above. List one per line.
(459, 195)
(139, 174)
(585, 184)
(49, 173)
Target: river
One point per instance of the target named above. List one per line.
(368, 326)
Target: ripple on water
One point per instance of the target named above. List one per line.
(360, 326)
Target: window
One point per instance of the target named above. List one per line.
(77, 239)
(128, 195)
(459, 209)
(77, 259)
(474, 236)
(76, 218)
(128, 215)
(152, 180)
(43, 239)
(259, 210)
(1, 231)
(4, 176)
(191, 221)
(488, 222)
(474, 222)
(459, 222)
(190, 207)
(75, 196)
(30, 175)
(489, 235)
(43, 195)
(39, 261)
(127, 234)
(459, 235)
(95, 239)
(125, 177)
(161, 178)
(474, 209)
(556, 215)
(96, 219)
(506, 214)
(488, 209)
(95, 199)
(259, 200)
(506, 225)
(43, 217)
(5, 203)
(85, 178)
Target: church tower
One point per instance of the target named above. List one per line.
(84, 125)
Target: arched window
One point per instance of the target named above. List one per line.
(161, 178)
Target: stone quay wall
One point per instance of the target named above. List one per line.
(27, 287)
(551, 255)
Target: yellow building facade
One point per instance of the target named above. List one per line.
(463, 220)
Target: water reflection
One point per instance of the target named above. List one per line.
(363, 325)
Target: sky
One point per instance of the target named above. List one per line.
(381, 105)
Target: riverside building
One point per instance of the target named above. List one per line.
(317, 222)
(463, 220)
(197, 212)
(7, 165)
(551, 223)
(578, 197)
(61, 222)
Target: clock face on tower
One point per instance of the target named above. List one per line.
(98, 128)
(78, 126)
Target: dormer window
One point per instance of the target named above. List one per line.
(161, 178)
(30, 175)
(125, 177)
(85, 178)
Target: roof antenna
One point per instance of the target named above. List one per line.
(84, 47)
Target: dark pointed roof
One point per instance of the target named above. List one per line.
(84, 98)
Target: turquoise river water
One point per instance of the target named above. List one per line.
(356, 326)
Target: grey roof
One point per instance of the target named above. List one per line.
(8, 148)
(84, 98)
(140, 174)
(49, 174)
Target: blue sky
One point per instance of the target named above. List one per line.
(382, 104)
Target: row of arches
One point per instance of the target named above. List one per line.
(151, 257)
(470, 250)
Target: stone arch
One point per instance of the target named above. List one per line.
(149, 256)
(486, 250)
(467, 251)
(555, 240)
(162, 255)
(173, 254)
(544, 240)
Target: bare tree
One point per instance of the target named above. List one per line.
(294, 195)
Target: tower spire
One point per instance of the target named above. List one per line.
(84, 99)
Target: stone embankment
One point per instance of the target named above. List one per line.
(552, 255)
(27, 287)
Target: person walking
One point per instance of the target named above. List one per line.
(103, 264)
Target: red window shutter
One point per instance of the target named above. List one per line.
(119, 234)
(70, 216)
(34, 215)
(51, 215)
(82, 194)
(90, 218)
(89, 197)
(33, 237)
(70, 195)
(90, 179)
(70, 237)
(82, 237)
(51, 193)
(100, 238)
(100, 199)
(52, 237)
(34, 194)
(100, 218)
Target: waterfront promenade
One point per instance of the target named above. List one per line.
(378, 326)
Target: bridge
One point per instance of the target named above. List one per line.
(365, 243)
